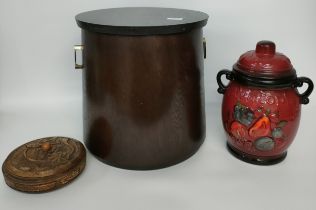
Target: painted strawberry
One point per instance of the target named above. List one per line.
(261, 128)
(238, 130)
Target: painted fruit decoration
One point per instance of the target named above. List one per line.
(261, 106)
(256, 127)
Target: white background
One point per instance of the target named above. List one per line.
(40, 95)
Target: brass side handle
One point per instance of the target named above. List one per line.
(76, 49)
(204, 47)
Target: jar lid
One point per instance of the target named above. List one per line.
(141, 20)
(44, 164)
(265, 65)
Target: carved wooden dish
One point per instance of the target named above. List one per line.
(44, 164)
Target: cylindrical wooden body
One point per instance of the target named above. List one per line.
(143, 98)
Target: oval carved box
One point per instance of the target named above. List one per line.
(44, 164)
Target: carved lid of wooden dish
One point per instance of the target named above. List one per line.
(44, 164)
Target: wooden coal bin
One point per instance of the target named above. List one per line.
(143, 92)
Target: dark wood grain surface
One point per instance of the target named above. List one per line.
(143, 98)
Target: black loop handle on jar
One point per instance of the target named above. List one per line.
(299, 83)
(229, 75)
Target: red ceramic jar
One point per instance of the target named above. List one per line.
(261, 106)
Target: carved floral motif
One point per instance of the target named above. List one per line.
(44, 164)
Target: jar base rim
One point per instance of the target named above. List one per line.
(253, 159)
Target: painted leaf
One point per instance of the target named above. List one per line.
(282, 123)
(264, 144)
(277, 132)
(243, 114)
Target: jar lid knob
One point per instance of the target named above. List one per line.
(265, 47)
